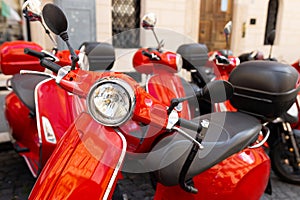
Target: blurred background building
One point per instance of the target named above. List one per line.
(202, 20)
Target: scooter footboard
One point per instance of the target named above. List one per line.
(84, 165)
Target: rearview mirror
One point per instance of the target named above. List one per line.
(55, 19)
(57, 22)
(227, 28)
(271, 37)
(149, 21)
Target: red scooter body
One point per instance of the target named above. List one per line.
(211, 182)
(230, 179)
(82, 164)
(28, 127)
(162, 83)
(222, 70)
(86, 164)
(88, 159)
(17, 115)
(13, 59)
(38, 134)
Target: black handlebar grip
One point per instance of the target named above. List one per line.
(34, 53)
(190, 125)
(44, 62)
(50, 65)
(222, 59)
(145, 53)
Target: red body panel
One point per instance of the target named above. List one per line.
(23, 129)
(296, 65)
(13, 59)
(82, 165)
(54, 104)
(242, 175)
(64, 57)
(166, 86)
(145, 65)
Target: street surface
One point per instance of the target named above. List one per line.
(16, 180)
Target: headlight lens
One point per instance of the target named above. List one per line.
(111, 101)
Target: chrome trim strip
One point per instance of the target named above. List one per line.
(118, 166)
(37, 73)
(30, 167)
(38, 123)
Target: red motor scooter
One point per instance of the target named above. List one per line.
(283, 143)
(160, 65)
(191, 159)
(38, 111)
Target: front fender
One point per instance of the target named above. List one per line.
(84, 165)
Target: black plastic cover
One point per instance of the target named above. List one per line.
(101, 55)
(194, 55)
(265, 89)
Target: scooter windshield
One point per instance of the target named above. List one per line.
(165, 69)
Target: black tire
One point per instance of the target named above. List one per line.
(279, 155)
(117, 194)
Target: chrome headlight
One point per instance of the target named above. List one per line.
(111, 101)
(179, 62)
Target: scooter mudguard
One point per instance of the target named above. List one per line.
(84, 165)
(243, 175)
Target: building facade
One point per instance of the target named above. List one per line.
(251, 20)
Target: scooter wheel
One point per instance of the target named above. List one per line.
(284, 164)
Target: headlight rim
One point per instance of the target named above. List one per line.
(126, 87)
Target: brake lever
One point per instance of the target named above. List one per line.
(179, 130)
(50, 56)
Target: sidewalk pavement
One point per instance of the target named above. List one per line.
(16, 180)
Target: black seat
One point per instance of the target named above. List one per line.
(24, 85)
(228, 133)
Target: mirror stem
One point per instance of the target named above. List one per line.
(176, 101)
(227, 46)
(270, 54)
(74, 57)
(156, 38)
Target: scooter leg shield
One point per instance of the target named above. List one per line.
(84, 165)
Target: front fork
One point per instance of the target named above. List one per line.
(288, 136)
